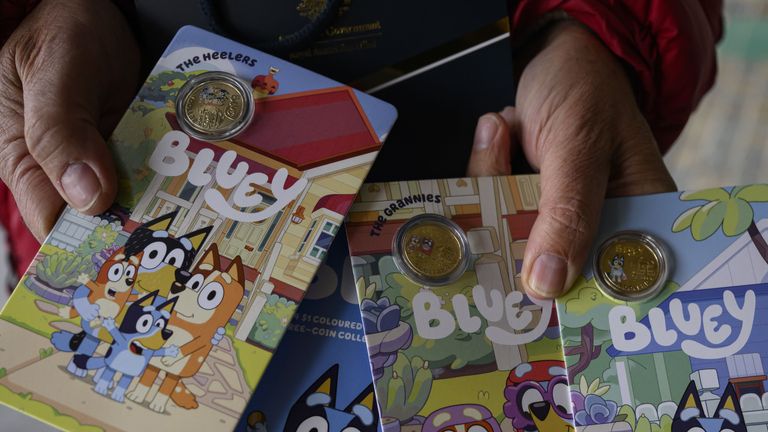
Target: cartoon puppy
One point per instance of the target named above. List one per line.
(103, 297)
(201, 313)
(140, 336)
(318, 408)
(617, 269)
(690, 415)
(165, 260)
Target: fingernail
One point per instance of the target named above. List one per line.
(81, 186)
(487, 126)
(548, 275)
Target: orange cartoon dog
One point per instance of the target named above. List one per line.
(202, 310)
(95, 300)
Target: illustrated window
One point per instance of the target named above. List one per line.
(323, 240)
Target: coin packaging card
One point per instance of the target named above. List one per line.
(454, 342)
(236, 170)
(666, 327)
(327, 328)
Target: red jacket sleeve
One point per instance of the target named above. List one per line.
(669, 44)
(22, 243)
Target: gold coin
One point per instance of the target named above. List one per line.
(214, 106)
(431, 250)
(631, 266)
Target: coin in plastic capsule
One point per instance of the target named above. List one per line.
(431, 250)
(214, 106)
(631, 266)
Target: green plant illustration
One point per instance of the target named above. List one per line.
(645, 425)
(406, 386)
(162, 87)
(273, 320)
(100, 238)
(665, 423)
(45, 352)
(458, 350)
(595, 387)
(628, 412)
(61, 269)
(586, 336)
(730, 211)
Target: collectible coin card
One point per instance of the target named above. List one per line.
(236, 170)
(666, 327)
(454, 342)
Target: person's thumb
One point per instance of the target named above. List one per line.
(62, 112)
(573, 184)
(493, 145)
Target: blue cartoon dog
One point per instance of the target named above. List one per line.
(139, 337)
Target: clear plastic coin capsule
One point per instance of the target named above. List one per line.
(214, 106)
(431, 250)
(631, 266)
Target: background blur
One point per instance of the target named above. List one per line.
(725, 142)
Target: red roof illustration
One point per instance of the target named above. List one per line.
(337, 203)
(304, 130)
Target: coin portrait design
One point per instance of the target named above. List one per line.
(431, 249)
(214, 106)
(631, 266)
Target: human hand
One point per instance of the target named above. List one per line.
(66, 75)
(578, 123)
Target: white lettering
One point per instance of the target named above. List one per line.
(630, 335)
(426, 309)
(170, 159)
(622, 323)
(664, 336)
(434, 322)
(467, 322)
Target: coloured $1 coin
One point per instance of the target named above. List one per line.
(431, 250)
(631, 266)
(214, 106)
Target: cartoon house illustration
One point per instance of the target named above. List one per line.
(321, 136)
(739, 269)
(496, 213)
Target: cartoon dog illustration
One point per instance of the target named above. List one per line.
(617, 269)
(140, 336)
(690, 415)
(158, 263)
(103, 297)
(317, 409)
(165, 260)
(202, 310)
(538, 397)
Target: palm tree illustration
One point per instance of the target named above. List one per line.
(730, 211)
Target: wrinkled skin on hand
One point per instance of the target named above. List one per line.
(67, 75)
(577, 122)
